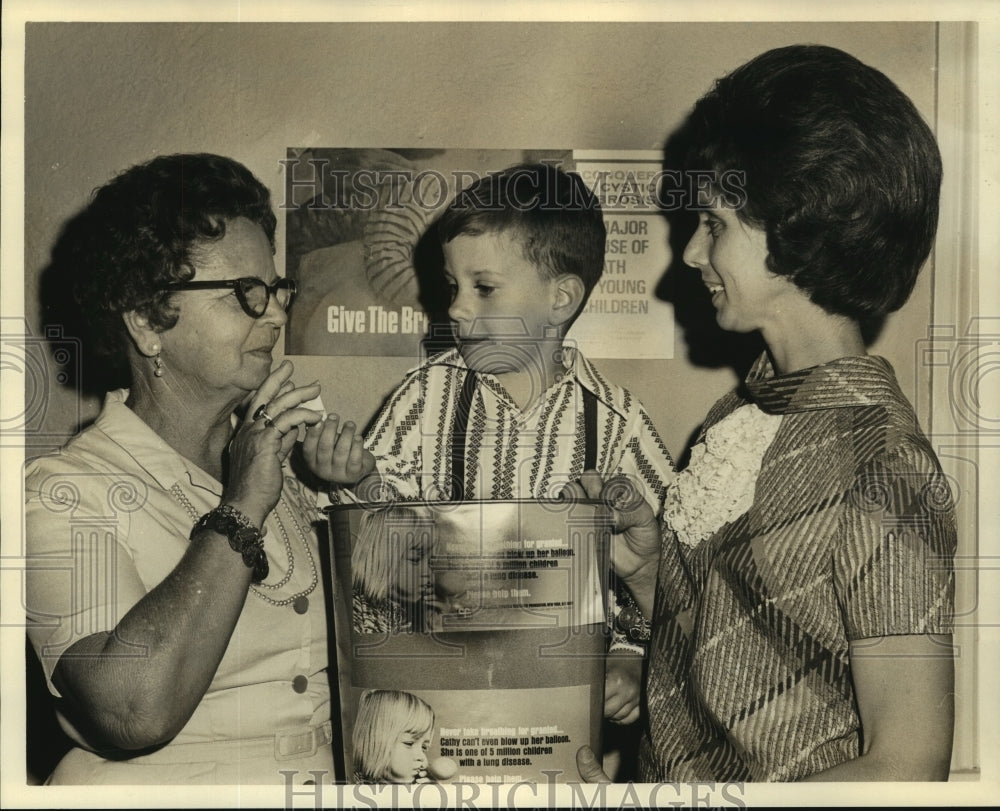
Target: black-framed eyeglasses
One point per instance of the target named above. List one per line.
(252, 293)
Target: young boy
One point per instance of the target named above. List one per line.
(515, 411)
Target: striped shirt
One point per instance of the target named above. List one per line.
(851, 535)
(510, 453)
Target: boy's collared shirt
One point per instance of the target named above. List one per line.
(510, 453)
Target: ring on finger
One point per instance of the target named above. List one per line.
(261, 413)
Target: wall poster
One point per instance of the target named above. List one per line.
(359, 247)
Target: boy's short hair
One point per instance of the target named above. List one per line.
(553, 214)
(840, 171)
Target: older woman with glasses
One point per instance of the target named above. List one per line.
(181, 625)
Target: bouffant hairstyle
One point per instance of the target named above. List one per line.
(552, 213)
(141, 231)
(838, 168)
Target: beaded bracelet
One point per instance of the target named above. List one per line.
(244, 537)
(630, 620)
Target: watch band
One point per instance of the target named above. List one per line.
(244, 537)
(630, 620)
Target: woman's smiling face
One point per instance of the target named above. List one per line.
(215, 349)
(732, 258)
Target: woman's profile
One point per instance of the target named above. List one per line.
(800, 595)
(184, 634)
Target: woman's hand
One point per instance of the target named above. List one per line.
(337, 454)
(261, 444)
(184, 624)
(637, 557)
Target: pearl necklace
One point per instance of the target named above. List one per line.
(259, 590)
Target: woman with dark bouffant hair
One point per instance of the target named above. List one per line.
(801, 590)
(182, 625)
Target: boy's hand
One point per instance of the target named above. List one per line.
(337, 454)
(622, 687)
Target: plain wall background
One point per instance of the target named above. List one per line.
(101, 97)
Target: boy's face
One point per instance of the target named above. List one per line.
(502, 305)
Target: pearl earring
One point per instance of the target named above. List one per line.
(157, 363)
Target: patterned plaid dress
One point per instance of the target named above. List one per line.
(851, 535)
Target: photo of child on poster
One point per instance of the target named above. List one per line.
(399, 736)
(391, 576)
(472, 568)
(492, 614)
(392, 736)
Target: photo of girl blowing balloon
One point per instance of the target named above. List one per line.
(392, 736)
(393, 587)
